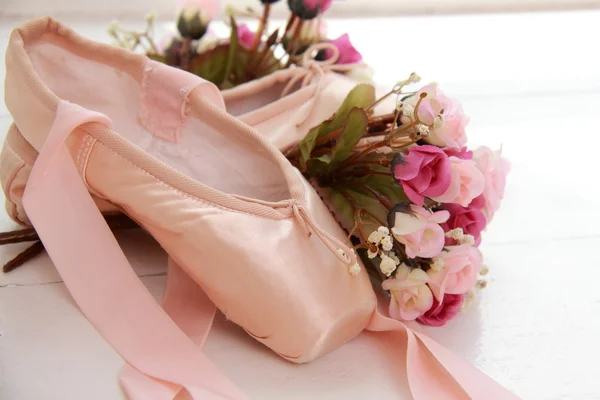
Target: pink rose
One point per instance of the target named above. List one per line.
(411, 297)
(466, 183)
(424, 172)
(452, 132)
(440, 313)
(419, 231)
(470, 219)
(245, 35)
(463, 153)
(494, 169)
(323, 5)
(459, 271)
(347, 53)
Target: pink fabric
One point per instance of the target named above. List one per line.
(92, 264)
(163, 111)
(434, 372)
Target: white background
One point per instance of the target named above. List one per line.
(354, 8)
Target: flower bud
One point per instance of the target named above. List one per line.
(192, 23)
(268, 1)
(309, 9)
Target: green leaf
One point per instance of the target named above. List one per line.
(343, 210)
(386, 186)
(320, 166)
(362, 96)
(209, 64)
(355, 127)
(232, 51)
(307, 145)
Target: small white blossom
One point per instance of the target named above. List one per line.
(469, 298)
(354, 270)
(408, 110)
(422, 129)
(375, 237)
(456, 234)
(341, 252)
(383, 230)
(481, 284)
(394, 257)
(387, 265)
(414, 78)
(437, 265)
(439, 121)
(484, 270)
(371, 254)
(387, 243)
(468, 239)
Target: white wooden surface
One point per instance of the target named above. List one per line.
(529, 82)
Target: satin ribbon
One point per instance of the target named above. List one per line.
(434, 372)
(336, 246)
(103, 284)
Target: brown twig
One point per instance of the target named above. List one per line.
(22, 235)
(24, 256)
(115, 222)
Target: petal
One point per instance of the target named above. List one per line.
(405, 224)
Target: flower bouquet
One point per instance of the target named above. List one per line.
(411, 196)
(245, 55)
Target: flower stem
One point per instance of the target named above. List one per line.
(261, 28)
(329, 137)
(382, 199)
(292, 43)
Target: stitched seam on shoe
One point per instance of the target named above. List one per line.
(181, 193)
(85, 155)
(9, 147)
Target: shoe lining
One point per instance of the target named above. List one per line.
(213, 158)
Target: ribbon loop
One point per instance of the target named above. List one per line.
(336, 246)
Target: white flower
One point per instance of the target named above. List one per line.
(375, 237)
(388, 265)
(468, 239)
(437, 265)
(422, 129)
(469, 298)
(395, 258)
(456, 234)
(484, 270)
(383, 230)
(408, 110)
(371, 254)
(387, 243)
(439, 122)
(354, 270)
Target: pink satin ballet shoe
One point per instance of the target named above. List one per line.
(286, 104)
(157, 144)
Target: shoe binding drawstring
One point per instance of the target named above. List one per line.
(309, 68)
(336, 246)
